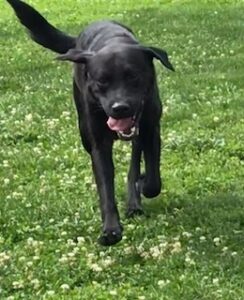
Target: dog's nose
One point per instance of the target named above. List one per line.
(120, 108)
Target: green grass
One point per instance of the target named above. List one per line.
(190, 243)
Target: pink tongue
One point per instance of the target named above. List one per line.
(120, 124)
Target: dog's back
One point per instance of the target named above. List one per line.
(99, 34)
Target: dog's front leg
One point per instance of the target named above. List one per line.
(134, 196)
(151, 185)
(103, 169)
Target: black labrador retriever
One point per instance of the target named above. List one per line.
(116, 96)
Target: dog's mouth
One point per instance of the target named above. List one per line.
(126, 128)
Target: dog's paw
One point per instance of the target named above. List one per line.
(135, 211)
(110, 236)
(151, 191)
(149, 188)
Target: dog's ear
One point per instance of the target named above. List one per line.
(161, 55)
(75, 55)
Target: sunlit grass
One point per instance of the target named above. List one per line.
(189, 245)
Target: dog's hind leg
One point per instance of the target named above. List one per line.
(134, 196)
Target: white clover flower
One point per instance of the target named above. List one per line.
(6, 181)
(187, 234)
(50, 293)
(128, 250)
(162, 283)
(13, 111)
(234, 253)
(63, 233)
(96, 267)
(131, 226)
(80, 240)
(77, 215)
(155, 251)
(29, 263)
(202, 238)
(76, 249)
(51, 123)
(189, 261)
(5, 163)
(30, 241)
(182, 277)
(90, 256)
(28, 205)
(216, 119)
(65, 114)
(66, 220)
(16, 194)
(65, 287)
(165, 109)
(107, 262)
(164, 245)
(36, 283)
(93, 186)
(18, 284)
(71, 254)
(215, 281)
(102, 254)
(64, 259)
(216, 241)
(29, 118)
(176, 247)
(70, 242)
(113, 292)
(38, 227)
(22, 258)
(4, 258)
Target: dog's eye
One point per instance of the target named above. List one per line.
(102, 82)
(132, 77)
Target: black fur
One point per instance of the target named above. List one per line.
(114, 81)
(40, 30)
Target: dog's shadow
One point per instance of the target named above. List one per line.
(215, 215)
(198, 224)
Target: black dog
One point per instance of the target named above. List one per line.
(116, 96)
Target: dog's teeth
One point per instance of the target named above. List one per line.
(133, 132)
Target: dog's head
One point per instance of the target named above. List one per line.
(119, 77)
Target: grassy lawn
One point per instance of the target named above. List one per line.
(190, 243)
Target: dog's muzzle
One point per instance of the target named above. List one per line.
(126, 128)
(129, 134)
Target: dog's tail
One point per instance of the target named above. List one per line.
(40, 30)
